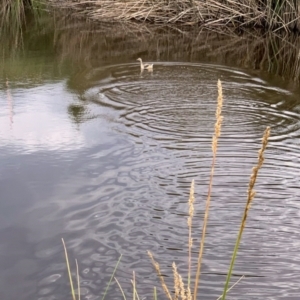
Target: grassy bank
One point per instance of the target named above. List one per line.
(267, 14)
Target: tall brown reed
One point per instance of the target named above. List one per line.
(157, 269)
(189, 222)
(180, 290)
(216, 136)
(250, 196)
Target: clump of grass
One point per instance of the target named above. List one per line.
(13, 12)
(13, 17)
(73, 291)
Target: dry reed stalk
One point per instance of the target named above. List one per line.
(251, 192)
(182, 289)
(78, 279)
(189, 294)
(189, 222)
(69, 270)
(216, 136)
(157, 269)
(135, 292)
(133, 285)
(120, 287)
(176, 282)
(242, 277)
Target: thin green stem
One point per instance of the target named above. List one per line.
(112, 276)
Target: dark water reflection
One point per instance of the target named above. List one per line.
(97, 153)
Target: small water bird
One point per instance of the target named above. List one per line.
(148, 67)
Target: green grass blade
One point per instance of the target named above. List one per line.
(154, 294)
(112, 276)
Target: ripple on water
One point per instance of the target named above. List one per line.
(130, 195)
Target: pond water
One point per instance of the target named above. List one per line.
(95, 152)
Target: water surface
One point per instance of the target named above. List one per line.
(93, 151)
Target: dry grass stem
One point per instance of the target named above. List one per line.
(133, 285)
(157, 269)
(69, 270)
(242, 277)
(176, 282)
(190, 218)
(251, 192)
(189, 293)
(182, 289)
(135, 293)
(180, 292)
(78, 279)
(217, 133)
(120, 287)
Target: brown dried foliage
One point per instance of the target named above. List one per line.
(273, 14)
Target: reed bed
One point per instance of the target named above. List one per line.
(182, 289)
(14, 16)
(269, 14)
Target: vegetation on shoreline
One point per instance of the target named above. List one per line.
(271, 15)
(267, 14)
(183, 289)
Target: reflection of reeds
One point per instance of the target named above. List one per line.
(83, 42)
(274, 53)
(271, 14)
(10, 103)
